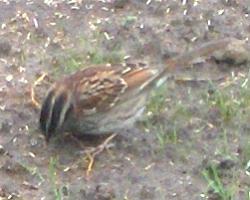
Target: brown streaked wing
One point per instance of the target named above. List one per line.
(139, 77)
(99, 89)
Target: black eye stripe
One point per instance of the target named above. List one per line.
(45, 111)
(57, 110)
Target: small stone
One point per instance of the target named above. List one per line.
(236, 53)
(33, 142)
(2, 150)
(65, 191)
(147, 192)
(5, 126)
(119, 4)
(12, 166)
(9, 77)
(5, 47)
(227, 164)
(3, 192)
(104, 192)
(246, 10)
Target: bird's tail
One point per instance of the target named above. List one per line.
(204, 50)
(183, 60)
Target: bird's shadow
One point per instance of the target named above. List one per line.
(70, 147)
(77, 141)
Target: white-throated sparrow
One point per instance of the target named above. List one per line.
(105, 99)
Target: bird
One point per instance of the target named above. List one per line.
(105, 99)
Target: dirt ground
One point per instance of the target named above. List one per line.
(194, 140)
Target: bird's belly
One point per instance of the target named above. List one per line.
(120, 117)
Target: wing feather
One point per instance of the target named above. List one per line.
(100, 88)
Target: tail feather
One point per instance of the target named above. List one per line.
(203, 50)
(182, 60)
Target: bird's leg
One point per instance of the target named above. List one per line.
(94, 151)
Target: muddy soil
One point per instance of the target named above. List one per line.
(59, 37)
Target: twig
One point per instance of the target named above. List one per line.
(32, 91)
